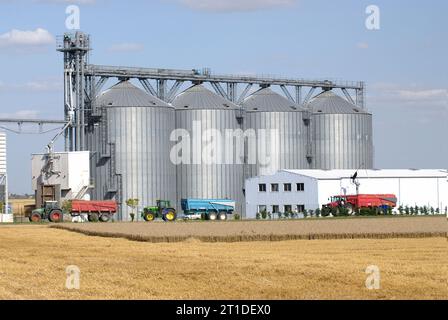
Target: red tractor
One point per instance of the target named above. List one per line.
(353, 203)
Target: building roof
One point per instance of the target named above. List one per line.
(266, 100)
(199, 97)
(125, 94)
(385, 173)
(328, 102)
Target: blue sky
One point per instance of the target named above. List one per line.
(404, 63)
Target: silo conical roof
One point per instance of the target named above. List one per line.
(125, 94)
(266, 100)
(198, 97)
(328, 102)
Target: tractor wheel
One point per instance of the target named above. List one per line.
(56, 216)
(93, 217)
(169, 215)
(223, 216)
(149, 217)
(36, 218)
(351, 210)
(105, 218)
(212, 216)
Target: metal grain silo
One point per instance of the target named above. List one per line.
(342, 133)
(130, 146)
(199, 110)
(286, 132)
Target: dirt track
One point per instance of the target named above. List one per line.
(374, 228)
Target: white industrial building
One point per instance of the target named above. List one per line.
(5, 215)
(310, 189)
(61, 176)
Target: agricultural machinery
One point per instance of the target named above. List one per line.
(50, 211)
(353, 203)
(162, 210)
(94, 210)
(207, 209)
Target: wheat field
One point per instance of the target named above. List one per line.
(33, 261)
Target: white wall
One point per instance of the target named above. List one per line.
(254, 198)
(74, 168)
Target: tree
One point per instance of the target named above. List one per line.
(305, 213)
(258, 216)
(133, 204)
(286, 214)
(318, 212)
(432, 210)
(407, 210)
(401, 209)
(264, 214)
(411, 211)
(416, 210)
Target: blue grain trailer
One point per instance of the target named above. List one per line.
(209, 209)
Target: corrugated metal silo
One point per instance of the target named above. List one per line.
(286, 144)
(131, 148)
(342, 134)
(199, 107)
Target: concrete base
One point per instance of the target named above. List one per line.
(6, 218)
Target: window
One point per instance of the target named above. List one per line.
(262, 208)
(288, 208)
(274, 187)
(300, 187)
(275, 209)
(301, 208)
(262, 187)
(287, 187)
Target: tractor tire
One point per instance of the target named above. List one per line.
(56, 216)
(223, 216)
(93, 217)
(212, 216)
(169, 215)
(149, 217)
(35, 218)
(105, 218)
(351, 210)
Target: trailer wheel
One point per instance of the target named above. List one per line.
(93, 217)
(105, 218)
(212, 215)
(56, 216)
(35, 218)
(223, 216)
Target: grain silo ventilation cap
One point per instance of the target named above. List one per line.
(198, 97)
(125, 94)
(266, 100)
(328, 102)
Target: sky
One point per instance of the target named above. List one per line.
(404, 63)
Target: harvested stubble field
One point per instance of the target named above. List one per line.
(33, 261)
(350, 228)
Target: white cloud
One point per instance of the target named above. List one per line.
(21, 114)
(126, 47)
(235, 5)
(51, 85)
(393, 95)
(23, 40)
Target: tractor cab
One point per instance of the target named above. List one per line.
(337, 201)
(163, 204)
(50, 205)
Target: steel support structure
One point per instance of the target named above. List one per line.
(83, 81)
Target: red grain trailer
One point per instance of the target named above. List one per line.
(95, 210)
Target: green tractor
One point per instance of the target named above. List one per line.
(162, 210)
(50, 211)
